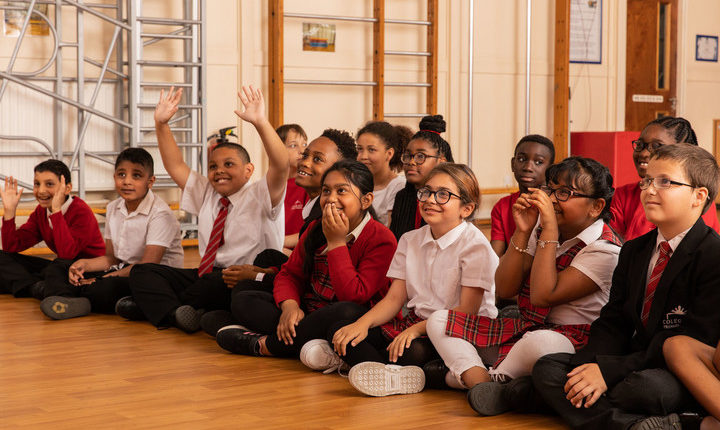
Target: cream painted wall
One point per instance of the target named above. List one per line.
(238, 52)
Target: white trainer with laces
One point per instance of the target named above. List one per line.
(317, 354)
(378, 379)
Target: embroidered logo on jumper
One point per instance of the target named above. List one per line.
(674, 318)
(298, 205)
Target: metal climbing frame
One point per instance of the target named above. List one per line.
(123, 66)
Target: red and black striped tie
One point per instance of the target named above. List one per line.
(216, 239)
(655, 276)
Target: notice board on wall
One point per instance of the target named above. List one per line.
(586, 31)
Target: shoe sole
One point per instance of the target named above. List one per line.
(62, 308)
(317, 343)
(187, 319)
(488, 399)
(378, 379)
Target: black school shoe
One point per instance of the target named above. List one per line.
(187, 318)
(495, 398)
(239, 340)
(37, 290)
(213, 321)
(129, 309)
(62, 308)
(669, 422)
(435, 372)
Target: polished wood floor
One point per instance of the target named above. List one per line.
(104, 372)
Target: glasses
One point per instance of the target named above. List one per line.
(639, 145)
(419, 157)
(563, 194)
(441, 196)
(659, 183)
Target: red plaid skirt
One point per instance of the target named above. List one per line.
(399, 324)
(504, 332)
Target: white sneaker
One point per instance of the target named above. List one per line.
(317, 354)
(378, 379)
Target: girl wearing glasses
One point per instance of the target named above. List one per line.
(628, 216)
(380, 146)
(335, 273)
(425, 150)
(447, 264)
(559, 263)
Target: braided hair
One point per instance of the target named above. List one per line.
(678, 127)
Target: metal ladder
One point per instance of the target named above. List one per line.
(277, 79)
(189, 123)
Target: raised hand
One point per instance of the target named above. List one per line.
(10, 195)
(541, 200)
(253, 105)
(59, 196)
(168, 105)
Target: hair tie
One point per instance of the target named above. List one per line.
(432, 131)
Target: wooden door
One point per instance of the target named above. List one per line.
(650, 89)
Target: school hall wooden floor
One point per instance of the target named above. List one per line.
(101, 371)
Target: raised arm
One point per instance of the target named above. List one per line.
(278, 159)
(172, 157)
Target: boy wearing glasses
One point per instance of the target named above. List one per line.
(665, 284)
(628, 216)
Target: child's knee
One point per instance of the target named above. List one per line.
(435, 326)
(673, 346)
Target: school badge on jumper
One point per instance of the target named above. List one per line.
(673, 319)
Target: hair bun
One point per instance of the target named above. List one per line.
(434, 123)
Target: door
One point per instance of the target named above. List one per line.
(650, 88)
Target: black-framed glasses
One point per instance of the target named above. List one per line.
(660, 183)
(442, 195)
(419, 157)
(639, 145)
(563, 194)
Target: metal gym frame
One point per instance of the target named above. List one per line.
(131, 36)
(276, 59)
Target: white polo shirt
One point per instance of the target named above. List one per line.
(252, 224)
(384, 200)
(435, 270)
(597, 261)
(152, 223)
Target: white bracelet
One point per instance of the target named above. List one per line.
(542, 243)
(520, 250)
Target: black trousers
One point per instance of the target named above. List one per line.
(103, 293)
(18, 272)
(373, 348)
(159, 290)
(257, 310)
(641, 394)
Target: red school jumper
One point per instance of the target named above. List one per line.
(355, 273)
(75, 234)
(295, 199)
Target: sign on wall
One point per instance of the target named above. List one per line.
(586, 31)
(318, 37)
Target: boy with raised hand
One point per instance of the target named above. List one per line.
(66, 224)
(236, 220)
(139, 228)
(667, 282)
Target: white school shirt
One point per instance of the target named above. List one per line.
(152, 223)
(252, 224)
(308, 207)
(384, 200)
(597, 261)
(435, 270)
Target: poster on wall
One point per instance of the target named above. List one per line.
(318, 37)
(13, 22)
(586, 31)
(706, 48)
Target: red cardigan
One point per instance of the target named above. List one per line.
(75, 234)
(628, 215)
(357, 272)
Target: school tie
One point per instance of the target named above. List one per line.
(216, 239)
(655, 276)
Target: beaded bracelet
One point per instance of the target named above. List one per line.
(520, 250)
(542, 243)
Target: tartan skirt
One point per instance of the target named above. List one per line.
(399, 324)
